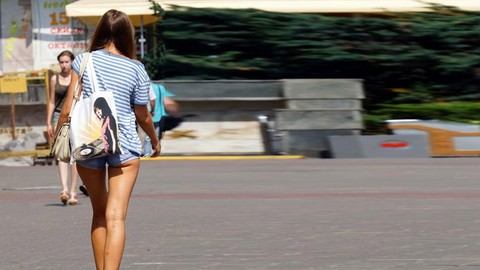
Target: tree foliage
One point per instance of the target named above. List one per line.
(414, 57)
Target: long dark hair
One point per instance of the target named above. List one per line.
(101, 103)
(114, 27)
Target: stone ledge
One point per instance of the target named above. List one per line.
(318, 119)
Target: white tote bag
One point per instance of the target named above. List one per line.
(94, 125)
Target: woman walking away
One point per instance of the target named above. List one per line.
(58, 90)
(112, 50)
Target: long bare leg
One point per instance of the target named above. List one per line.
(121, 182)
(63, 173)
(94, 180)
(74, 177)
(73, 188)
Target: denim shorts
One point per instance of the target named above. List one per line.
(112, 160)
(55, 117)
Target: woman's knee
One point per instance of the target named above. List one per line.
(99, 220)
(114, 216)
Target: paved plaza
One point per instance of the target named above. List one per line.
(316, 214)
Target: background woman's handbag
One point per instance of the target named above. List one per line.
(94, 123)
(61, 148)
(61, 145)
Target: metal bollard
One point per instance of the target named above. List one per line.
(271, 137)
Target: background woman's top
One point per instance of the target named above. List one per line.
(60, 93)
(128, 81)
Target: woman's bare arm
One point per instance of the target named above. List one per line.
(144, 120)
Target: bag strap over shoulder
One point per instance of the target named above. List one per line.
(78, 90)
(92, 76)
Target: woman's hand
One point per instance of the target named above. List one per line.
(50, 130)
(144, 120)
(157, 148)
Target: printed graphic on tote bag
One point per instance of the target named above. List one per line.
(96, 129)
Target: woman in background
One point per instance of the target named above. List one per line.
(59, 83)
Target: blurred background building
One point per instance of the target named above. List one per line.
(33, 32)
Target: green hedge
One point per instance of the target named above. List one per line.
(401, 57)
(462, 112)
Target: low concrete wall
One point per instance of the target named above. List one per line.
(316, 109)
(305, 112)
(379, 146)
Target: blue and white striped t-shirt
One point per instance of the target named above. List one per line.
(128, 81)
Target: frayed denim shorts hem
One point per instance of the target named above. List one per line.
(112, 160)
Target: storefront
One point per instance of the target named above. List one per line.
(33, 33)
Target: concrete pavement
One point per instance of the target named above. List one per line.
(402, 214)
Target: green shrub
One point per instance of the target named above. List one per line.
(461, 112)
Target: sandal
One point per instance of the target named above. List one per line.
(64, 197)
(84, 190)
(73, 199)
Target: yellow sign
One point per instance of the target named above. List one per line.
(14, 84)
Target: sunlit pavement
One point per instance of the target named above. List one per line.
(287, 214)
